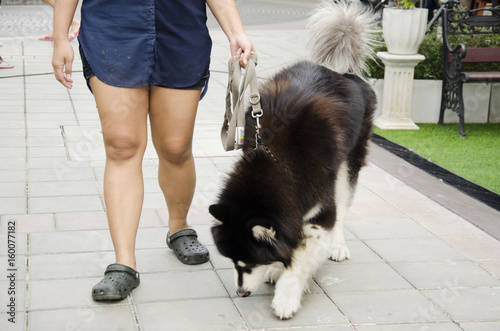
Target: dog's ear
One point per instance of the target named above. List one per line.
(220, 212)
(262, 233)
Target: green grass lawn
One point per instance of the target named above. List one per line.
(476, 158)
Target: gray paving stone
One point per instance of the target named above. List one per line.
(65, 294)
(313, 328)
(154, 200)
(414, 250)
(51, 116)
(68, 266)
(57, 163)
(468, 304)
(411, 327)
(162, 260)
(218, 261)
(211, 183)
(20, 239)
(65, 204)
(62, 188)
(15, 133)
(54, 124)
(359, 277)
(18, 142)
(150, 184)
(14, 264)
(445, 274)
(387, 307)
(202, 284)
(376, 209)
(476, 248)
(42, 151)
(13, 190)
(449, 226)
(13, 205)
(191, 315)
(29, 223)
(13, 104)
(17, 291)
(12, 124)
(44, 132)
(46, 141)
(98, 220)
(49, 104)
(19, 324)
(104, 318)
(60, 172)
(317, 310)
(70, 242)
(423, 207)
(492, 266)
(12, 152)
(360, 253)
(387, 229)
(12, 163)
(480, 326)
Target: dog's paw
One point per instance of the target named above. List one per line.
(339, 253)
(285, 306)
(272, 274)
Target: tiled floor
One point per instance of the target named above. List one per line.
(416, 265)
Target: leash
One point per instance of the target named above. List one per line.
(233, 127)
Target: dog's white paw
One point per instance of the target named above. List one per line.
(285, 306)
(339, 253)
(272, 274)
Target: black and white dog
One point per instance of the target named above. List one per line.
(281, 212)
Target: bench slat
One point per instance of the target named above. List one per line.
(482, 55)
(484, 76)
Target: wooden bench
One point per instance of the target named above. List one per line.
(458, 21)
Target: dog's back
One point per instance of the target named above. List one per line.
(313, 120)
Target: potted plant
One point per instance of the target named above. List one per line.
(404, 27)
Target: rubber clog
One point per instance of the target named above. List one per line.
(119, 280)
(187, 248)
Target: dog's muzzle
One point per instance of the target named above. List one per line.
(243, 293)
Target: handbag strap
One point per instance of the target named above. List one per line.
(234, 118)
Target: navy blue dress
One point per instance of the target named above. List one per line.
(130, 43)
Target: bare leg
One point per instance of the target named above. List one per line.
(123, 114)
(172, 115)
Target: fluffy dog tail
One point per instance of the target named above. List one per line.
(342, 36)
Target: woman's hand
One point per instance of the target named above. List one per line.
(226, 13)
(242, 48)
(62, 61)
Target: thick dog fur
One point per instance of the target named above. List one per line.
(282, 208)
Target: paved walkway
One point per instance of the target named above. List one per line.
(416, 265)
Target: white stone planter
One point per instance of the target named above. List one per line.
(404, 29)
(397, 93)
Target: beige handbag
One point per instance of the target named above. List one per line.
(233, 127)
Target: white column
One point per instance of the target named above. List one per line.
(398, 89)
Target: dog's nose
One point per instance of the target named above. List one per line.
(243, 293)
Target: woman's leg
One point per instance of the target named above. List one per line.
(123, 114)
(172, 115)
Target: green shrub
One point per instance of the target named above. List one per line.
(432, 49)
